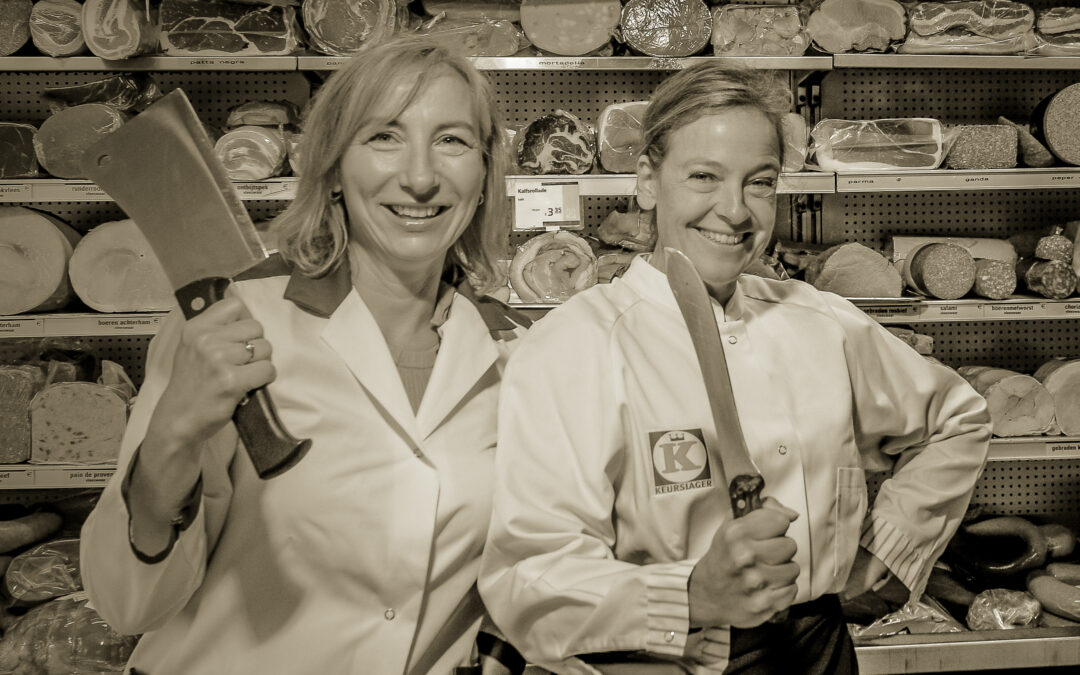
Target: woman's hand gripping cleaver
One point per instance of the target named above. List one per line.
(161, 169)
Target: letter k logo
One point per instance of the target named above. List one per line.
(676, 456)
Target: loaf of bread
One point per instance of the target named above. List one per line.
(76, 423)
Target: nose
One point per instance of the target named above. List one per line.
(730, 203)
(419, 177)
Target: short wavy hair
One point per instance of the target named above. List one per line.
(707, 88)
(313, 232)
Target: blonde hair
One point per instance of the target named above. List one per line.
(707, 88)
(313, 231)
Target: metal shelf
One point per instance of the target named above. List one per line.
(958, 180)
(606, 62)
(1034, 448)
(34, 476)
(142, 63)
(969, 651)
(914, 310)
(83, 324)
(960, 61)
(60, 190)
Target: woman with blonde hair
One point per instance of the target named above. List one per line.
(363, 557)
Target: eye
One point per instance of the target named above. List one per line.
(381, 138)
(763, 184)
(453, 144)
(702, 176)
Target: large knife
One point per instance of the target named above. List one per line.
(161, 169)
(746, 484)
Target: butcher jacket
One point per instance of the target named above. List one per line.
(605, 477)
(350, 562)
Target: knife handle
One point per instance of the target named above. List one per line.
(745, 491)
(271, 447)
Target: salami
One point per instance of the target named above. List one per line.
(940, 270)
(667, 28)
(1049, 278)
(994, 279)
(1055, 246)
(570, 27)
(983, 146)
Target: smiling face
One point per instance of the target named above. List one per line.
(411, 185)
(715, 193)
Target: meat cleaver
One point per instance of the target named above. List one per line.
(694, 302)
(161, 169)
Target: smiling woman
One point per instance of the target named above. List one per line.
(363, 557)
(612, 542)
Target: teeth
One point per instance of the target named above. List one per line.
(416, 211)
(721, 238)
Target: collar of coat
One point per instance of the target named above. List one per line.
(321, 296)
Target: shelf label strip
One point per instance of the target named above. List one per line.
(546, 206)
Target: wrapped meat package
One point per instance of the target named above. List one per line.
(56, 27)
(252, 153)
(969, 27)
(345, 28)
(558, 143)
(217, 28)
(1003, 609)
(64, 636)
(759, 30)
(916, 144)
(552, 266)
(125, 92)
(570, 27)
(838, 26)
(17, 156)
(620, 136)
(1061, 377)
(854, 271)
(120, 29)
(472, 37)
(44, 572)
(1019, 404)
(68, 133)
(629, 227)
(14, 25)
(18, 385)
(76, 423)
(667, 28)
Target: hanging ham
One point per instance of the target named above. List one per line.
(56, 27)
(113, 269)
(34, 251)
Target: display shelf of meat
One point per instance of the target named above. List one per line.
(75, 324)
(32, 190)
(956, 61)
(619, 63)
(803, 182)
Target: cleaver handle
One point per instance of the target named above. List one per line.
(271, 447)
(745, 491)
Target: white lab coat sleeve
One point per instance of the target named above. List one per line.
(130, 595)
(934, 429)
(549, 576)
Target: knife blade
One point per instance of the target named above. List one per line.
(746, 482)
(161, 169)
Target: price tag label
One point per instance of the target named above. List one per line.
(891, 312)
(16, 192)
(89, 324)
(951, 312)
(1004, 310)
(546, 206)
(17, 478)
(69, 192)
(266, 190)
(1063, 449)
(28, 327)
(72, 477)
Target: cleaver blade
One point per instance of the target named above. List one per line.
(161, 169)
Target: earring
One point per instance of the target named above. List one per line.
(335, 196)
(481, 200)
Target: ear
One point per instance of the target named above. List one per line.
(646, 183)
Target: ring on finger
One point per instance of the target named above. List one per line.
(250, 351)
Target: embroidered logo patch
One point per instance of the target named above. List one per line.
(679, 460)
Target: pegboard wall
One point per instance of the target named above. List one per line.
(1022, 346)
(1047, 490)
(870, 218)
